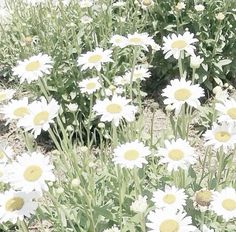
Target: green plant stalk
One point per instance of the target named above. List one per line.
(137, 182)
(136, 51)
(114, 135)
(219, 172)
(193, 76)
(142, 222)
(22, 225)
(89, 120)
(180, 65)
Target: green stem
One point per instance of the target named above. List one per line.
(22, 225)
(219, 172)
(180, 65)
(132, 72)
(142, 222)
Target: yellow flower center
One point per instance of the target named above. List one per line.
(118, 40)
(182, 94)
(203, 197)
(20, 112)
(32, 66)
(95, 58)
(40, 118)
(232, 112)
(131, 155)
(114, 108)
(33, 173)
(176, 154)
(2, 96)
(229, 204)
(1, 173)
(222, 136)
(90, 85)
(169, 226)
(2, 154)
(137, 75)
(147, 2)
(179, 44)
(169, 198)
(135, 40)
(14, 204)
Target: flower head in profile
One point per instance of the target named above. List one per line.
(33, 68)
(195, 61)
(140, 205)
(131, 154)
(175, 44)
(224, 203)
(221, 135)
(115, 109)
(90, 85)
(180, 92)
(169, 220)
(15, 205)
(139, 73)
(30, 172)
(177, 154)
(94, 59)
(119, 41)
(227, 110)
(202, 199)
(15, 109)
(6, 94)
(140, 39)
(86, 3)
(171, 197)
(40, 115)
(146, 4)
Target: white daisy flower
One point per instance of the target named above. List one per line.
(224, 203)
(223, 135)
(140, 39)
(15, 205)
(130, 155)
(180, 6)
(181, 92)
(6, 94)
(113, 90)
(94, 59)
(6, 153)
(86, 3)
(227, 110)
(220, 16)
(115, 109)
(169, 221)
(202, 199)
(171, 197)
(41, 114)
(112, 229)
(16, 109)
(30, 172)
(33, 68)
(140, 205)
(146, 4)
(120, 80)
(140, 73)
(199, 7)
(86, 19)
(174, 44)
(177, 154)
(195, 61)
(90, 85)
(119, 41)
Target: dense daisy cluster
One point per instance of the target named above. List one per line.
(80, 65)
